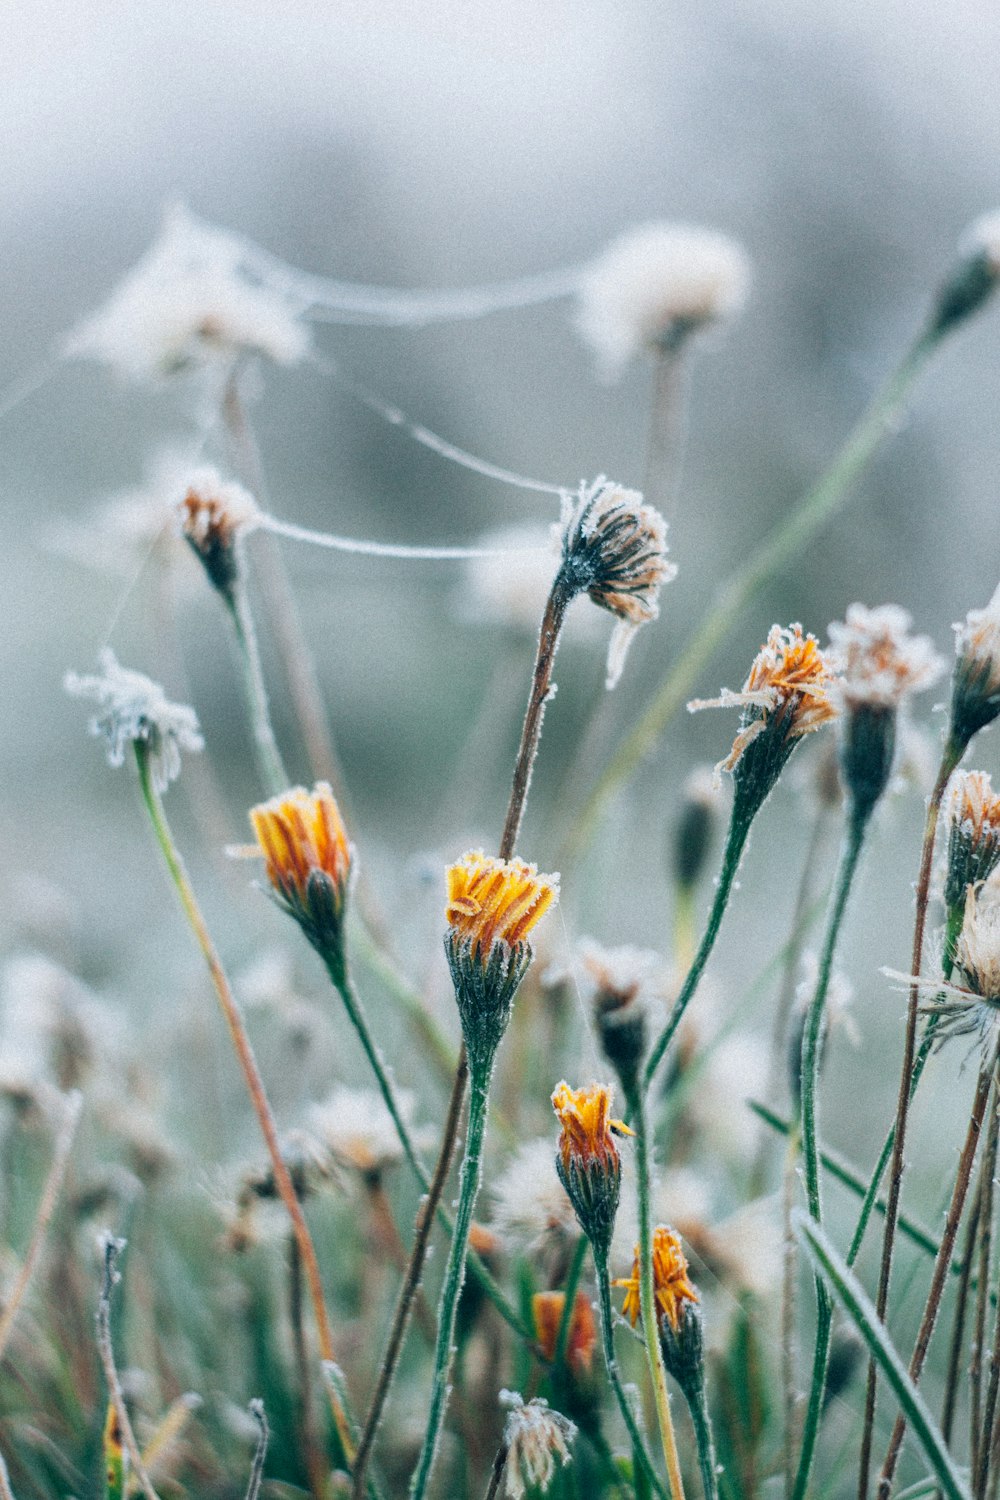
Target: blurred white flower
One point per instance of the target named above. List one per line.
(655, 285)
(357, 1129)
(535, 1437)
(119, 534)
(135, 710)
(531, 1209)
(735, 1070)
(192, 300)
(881, 664)
(511, 590)
(982, 237)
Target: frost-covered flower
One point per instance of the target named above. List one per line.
(136, 710)
(654, 286)
(971, 1002)
(532, 1211)
(973, 278)
(973, 834)
(536, 1438)
(356, 1127)
(213, 515)
(880, 663)
(975, 699)
(192, 300)
(588, 1161)
(615, 550)
(308, 858)
(671, 1284)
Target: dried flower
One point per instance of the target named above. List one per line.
(134, 710)
(547, 1314)
(588, 1162)
(656, 285)
(786, 696)
(532, 1211)
(969, 1005)
(973, 834)
(213, 515)
(308, 860)
(615, 550)
(671, 1287)
(975, 697)
(356, 1127)
(191, 301)
(620, 981)
(493, 905)
(535, 1438)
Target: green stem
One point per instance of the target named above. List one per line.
(470, 1178)
(739, 829)
(614, 1375)
(787, 539)
(572, 1282)
(647, 1300)
(708, 1467)
(272, 769)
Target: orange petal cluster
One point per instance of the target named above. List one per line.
(671, 1286)
(496, 901)
(301, 832)
(587, 1132)
(547, 1311)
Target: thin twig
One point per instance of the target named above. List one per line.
(72, 1105)
(958, 1328)
(496, 1472)
(112, 1248)
(256, 1409)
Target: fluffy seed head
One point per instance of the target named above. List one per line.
(656, 285)
(135, 710)
(977, 953)
(536, 1439)
(671, 1285)
(356, 1127)
(494, 901)
(532, 1212)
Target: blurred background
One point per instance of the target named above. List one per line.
(845, 145)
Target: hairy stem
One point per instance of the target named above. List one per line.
(572, 1282)
(614, 1375)
(272, 769)
(541, 682)
(952, 755)
(251, 1074)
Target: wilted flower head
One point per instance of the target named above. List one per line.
(532, 1211)
(620, 982)
(536, 1438)
(547, 1310)
(656, 285)
(356, 1127)
(493, 905)
(975, 699)
(192, 300)
(615, 550)
(671, 1287)
(786, 696)
(971, 1003)
(213, 515)
(134, 710)
(308, 860)
(973, 834)
(587, 1161)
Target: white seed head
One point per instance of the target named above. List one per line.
(357, 1129)
(193, 300)
(654, 285)
(977, 952)
(881, 664)
(982, 237)
(531, 1209)
(135, 710)
(536, 1438)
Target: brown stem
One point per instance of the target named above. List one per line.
(942, 1264)
(385, 1228)
(949, 761)
(986, 1186)
(541, 683)
(496, 1473)
(411, 1280)
(990, 1425)
(958, 1328)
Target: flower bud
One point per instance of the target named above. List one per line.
(213, 516)
(618, 979)
(973, 278)
(308, 860)
(973, 835)
(975, 694)
(694, 829)
(588, 1162)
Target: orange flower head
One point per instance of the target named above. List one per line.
(588, 1162)
(496, 901)
(212, 516)
(671, 1286)
(547, 1313)
(308, 859)
(973, 835)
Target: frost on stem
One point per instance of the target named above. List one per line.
(615, 551)
(192, 301)
(135, 710)
(656, 285)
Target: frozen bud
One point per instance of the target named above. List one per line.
(547, 1310)
(536, 1438)
(213, 516)
(619, 980)
(881, 667)
(308, 860)
(786, 696)
(656, 285)
(194, 300)
(975, 694)
(134, 710)
(493, 905)
(588, 1162)
(694, 828)
(615, 551)
(671, 1285)
(973, 836)
(973, 278)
